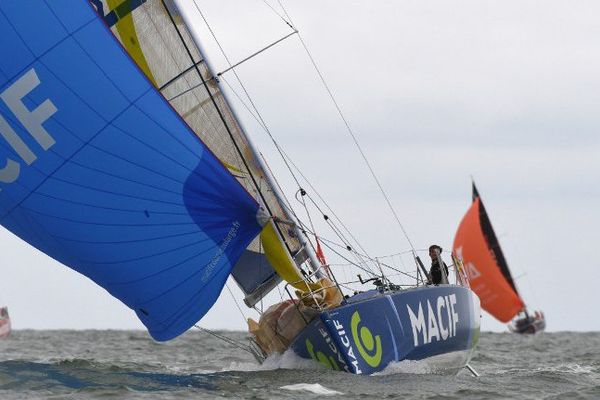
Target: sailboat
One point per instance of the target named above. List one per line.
(5, 327)
(126, 162)
(477, 246)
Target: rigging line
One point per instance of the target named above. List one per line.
(317, 193)
(288, 205)
(220, 113)
(260, 268)
(225, 339)
(312, 187)
(364, 256)
(302, 193)
(235, 301)
(349, 129)
(357, 255)
(243, 102)
(359, 245)
(402, 253)
(335, 228)
(258, 117)
(404, 266)
(286, 200)
(283, 153)
(350, 262)
(345, 247)
(287, 245)
(326, 243)
(341, 223)
(303, 202)
(397, 270)
(278, 14)
(257, 53)
(348, 231)
(268, 131)
(280, 294)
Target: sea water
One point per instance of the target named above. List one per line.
(130, 365)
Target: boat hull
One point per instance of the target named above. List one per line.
(530, 325)
(439, 324)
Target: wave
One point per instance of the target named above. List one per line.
(564, 368)
(314, 388)
(287, 360)
(417, 367)
(82, 374)
(569, 368)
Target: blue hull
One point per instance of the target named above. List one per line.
(372, 329)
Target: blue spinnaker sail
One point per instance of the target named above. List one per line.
(103, 175)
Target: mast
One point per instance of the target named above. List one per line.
(305, 247)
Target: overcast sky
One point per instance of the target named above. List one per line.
(436, 91)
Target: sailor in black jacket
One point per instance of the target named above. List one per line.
(435, 252)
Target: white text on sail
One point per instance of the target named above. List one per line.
(32, 120)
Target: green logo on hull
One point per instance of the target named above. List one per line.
(369, 348)
(329, 362)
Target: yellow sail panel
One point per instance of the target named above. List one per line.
(129, 39)
(281, 261)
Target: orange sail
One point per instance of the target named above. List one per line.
(476, 244)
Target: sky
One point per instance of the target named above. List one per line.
(437, 92)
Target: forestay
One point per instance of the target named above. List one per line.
(103, 175)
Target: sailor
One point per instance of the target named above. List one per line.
(437, 277)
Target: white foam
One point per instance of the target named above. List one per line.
(420, 367)
(569, 368)
(441, 364)
(242, 367)
(312, 388)
(186, 369)
(287, 360)
(290, 360)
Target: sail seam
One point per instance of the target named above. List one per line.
(181, 74)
